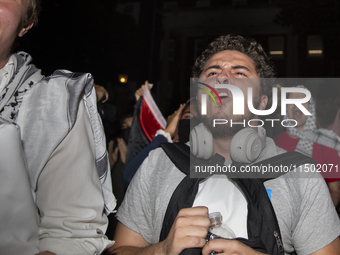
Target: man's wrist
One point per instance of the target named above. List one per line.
(165, 134)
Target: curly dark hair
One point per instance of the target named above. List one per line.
(33, 11)
(248, 46)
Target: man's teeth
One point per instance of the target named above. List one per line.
(223, 94)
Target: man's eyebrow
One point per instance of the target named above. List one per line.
(241, 67)
(212, 67)
(233, 67)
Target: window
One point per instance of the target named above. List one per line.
(276, 47)
(315, 46)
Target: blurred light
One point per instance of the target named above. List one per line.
(315, 46)
(315, 52)
(276, 52)
(276, 46)
(123, 78)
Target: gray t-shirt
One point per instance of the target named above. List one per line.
(305, 212)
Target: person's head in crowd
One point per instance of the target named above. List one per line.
(33, 10)
(226, 58)
(125, 127)
(303, 122)
(263, 66)
(126, 121)
(117, 145)
(294, 112)
(242, 61)
(187, 120)
(17, 18)
(18, 74)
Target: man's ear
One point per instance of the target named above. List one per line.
(263, 102)
(25, 29)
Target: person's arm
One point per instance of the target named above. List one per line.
(122, 147)
(132, 166)
(332, 249)
(317, 224)
(332, 163)
(69, 195)
(172, 121)
(334, 189)
(223, 246)
(113, 153)
(125, 236)
(139, 92)
(188, 231)
(101, 93)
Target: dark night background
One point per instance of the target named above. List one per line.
(158, 40)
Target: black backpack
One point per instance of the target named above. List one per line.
(263, 230)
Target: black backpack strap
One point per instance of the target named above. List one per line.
(287, 161)
(262, 226)
(179, 154)
(291, 159)
(185, 193)
(183, 197)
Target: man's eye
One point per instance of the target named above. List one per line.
(241, 74)
(212, 74)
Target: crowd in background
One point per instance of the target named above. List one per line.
(72, 164)
(326, 116)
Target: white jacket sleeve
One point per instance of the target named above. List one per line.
(18, 221)
(69, 196)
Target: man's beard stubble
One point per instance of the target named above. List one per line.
(225, 131)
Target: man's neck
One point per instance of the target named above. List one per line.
(300, 128)
(222, 147)
(4, 60)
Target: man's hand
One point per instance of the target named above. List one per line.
(228, 247)
(139, 92)
(113, 153)
(101, 92)
(172, 121)
(122, 149)
(188, 231)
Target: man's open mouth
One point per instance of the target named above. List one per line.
(223, 95)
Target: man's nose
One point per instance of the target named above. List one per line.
(223, 78)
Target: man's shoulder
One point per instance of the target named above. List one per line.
(159, 157)
(22, 57)
(270, 150)
(297, 180)
(158, 165)
(25, 63)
